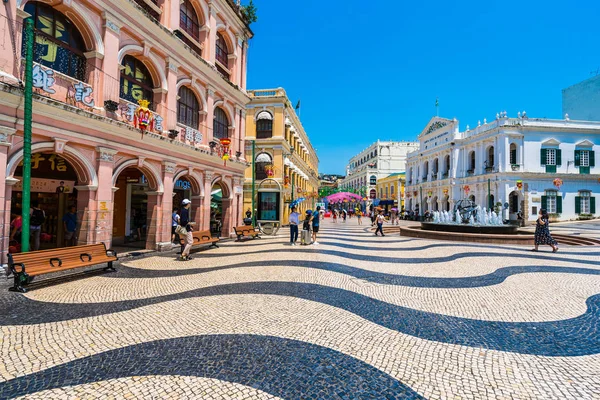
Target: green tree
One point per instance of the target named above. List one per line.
(249, 12)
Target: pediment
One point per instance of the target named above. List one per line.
(584, 143)
(434, 124)
(550, 142)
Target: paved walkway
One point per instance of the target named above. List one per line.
(356, 316)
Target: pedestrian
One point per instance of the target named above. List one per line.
(38, 217)
(70, 224)
(294, 221)
(542, 232)
(305, 238)
(344, 215)
(372, 215)
(380, 219)
(175, 239)
(16, 226)
(359, 216)
(315, 226)
(184, 229)
(334, 214)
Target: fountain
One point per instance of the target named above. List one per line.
(469, 218)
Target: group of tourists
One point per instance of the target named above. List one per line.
(310, 225)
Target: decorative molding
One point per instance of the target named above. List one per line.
(435, 126)
(86, 188)
(140, 161)
(59, 145)
(147, 48)
(22, 14)
(169, 167)
(172, 65)
(106, 154)
(211, 91)
(208, 176)
(6, 133)
(93, 54)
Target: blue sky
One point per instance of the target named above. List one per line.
(369, 70)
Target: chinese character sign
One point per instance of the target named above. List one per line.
(83, 94)
(43, 79)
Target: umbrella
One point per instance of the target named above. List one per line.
(394, 209)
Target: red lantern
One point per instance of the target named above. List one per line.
(225, 142)
(143, 118)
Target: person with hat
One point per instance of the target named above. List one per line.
(184, 229)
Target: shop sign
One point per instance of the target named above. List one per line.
(128, 113)
(83, 94)
(192, 135)
(536, 199)
(43, 79)
(41, 185)
(182, 184)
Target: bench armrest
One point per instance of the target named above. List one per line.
(55, 259)
(206, 237)
(14, 270)
(197, 239)
(111, 252)
(89, 256)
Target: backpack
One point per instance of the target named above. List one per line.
(37, 217)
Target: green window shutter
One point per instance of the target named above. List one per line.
(543, 156)
(577, 204)
(592, 161)
(592, 205)
(584, 170)
(545, 202)
(577, 158)
(550, 169)
(558, 157)
(558, 204)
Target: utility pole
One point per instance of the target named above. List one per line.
(27, 117)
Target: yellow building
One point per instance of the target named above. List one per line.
(284, 159)
(390, 191)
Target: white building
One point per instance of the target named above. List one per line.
(516, 159)
(377, 161)
(582, 100)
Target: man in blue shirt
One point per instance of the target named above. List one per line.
(315, 224)
(294, 221)
(70, 224)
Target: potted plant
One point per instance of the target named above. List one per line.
(585, 217)
(111, 105)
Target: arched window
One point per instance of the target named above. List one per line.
(436, 164)
(471, 169)
(136, 81)
(425, 170)
(220, 124)
(262, 160)
(188, 107)
(513, 153)
(264, 125)
(446, 166)
(188, 20)
(221, 55)
(58, 43)
(490, 159)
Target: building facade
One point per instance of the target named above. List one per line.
(377, 161)
(122, 165)
(284, 158)
(390, 191)
(523, 162)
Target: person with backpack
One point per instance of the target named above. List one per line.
(37, 219)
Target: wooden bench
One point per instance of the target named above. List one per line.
(246, 230)
(25, 266)
(200, 238)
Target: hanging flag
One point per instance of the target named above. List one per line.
(298, 105)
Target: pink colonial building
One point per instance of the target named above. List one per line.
(93, 62)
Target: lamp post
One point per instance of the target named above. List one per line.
(421, 206)
(253, 182)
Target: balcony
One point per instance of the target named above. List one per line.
(489, 169)
(445, 175)
(434, 177)
(470, 172)
(424, 179)
(515, 167)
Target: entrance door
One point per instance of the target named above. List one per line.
(130, 209)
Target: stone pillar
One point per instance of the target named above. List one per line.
(210, 105)
(208, 177)
(164, 224)
(105, 197)
(5, 193)
(196, 210)
(153, 220)
(110, 64)
(212, 34)
(86, 214)
(227, 218)
(167, 109)
(244, 64)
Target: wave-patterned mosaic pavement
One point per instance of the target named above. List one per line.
(355, 317)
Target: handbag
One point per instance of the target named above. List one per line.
(180, 230)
